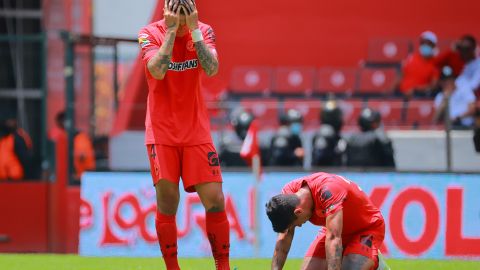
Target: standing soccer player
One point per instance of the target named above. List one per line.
(176, 50)
(353, 228)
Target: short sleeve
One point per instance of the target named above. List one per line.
(210, 39)
(331, 198)
(148, 45)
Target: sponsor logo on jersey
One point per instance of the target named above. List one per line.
(143, 40)
(182, 66)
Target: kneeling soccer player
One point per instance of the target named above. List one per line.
(353, 228)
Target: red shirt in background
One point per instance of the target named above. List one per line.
(332, 193)
(418, 72)
(176, 112)
(452, 59)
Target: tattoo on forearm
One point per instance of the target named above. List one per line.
(164, 62)
(164, 55)
(207, 60)
(334, 262)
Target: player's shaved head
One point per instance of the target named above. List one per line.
(280, 210)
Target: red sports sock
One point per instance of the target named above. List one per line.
(167, 238)
(218, 231)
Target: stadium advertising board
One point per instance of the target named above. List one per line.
(433, 216)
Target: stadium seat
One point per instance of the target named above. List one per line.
(388, 51)
(251, 80)
(378, 81)
(265, 110)
(420, 113)
(351, 109)
(294, 80)
(310, 109)
(336, 80)
(391, 110)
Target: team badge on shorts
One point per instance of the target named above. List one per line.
(213, 159)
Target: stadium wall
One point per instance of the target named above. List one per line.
(431, 216)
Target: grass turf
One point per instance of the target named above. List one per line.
(73, 262)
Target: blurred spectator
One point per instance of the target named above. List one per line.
(327, 144)
(286, 146)
(231, 144)
(476, 136)
(460, 98)
(15, 149)
(470, 76)
(371, 147)
(83, 152)
(419, 72)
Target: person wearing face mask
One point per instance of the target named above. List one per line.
(459, 93)
(419, 72)
(286, 147)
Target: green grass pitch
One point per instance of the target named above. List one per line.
(73, 262)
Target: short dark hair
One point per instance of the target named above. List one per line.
(280, 210)
(470, 39)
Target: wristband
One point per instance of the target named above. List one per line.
(197, 35)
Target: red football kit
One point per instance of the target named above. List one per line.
(363, 225)
(177, 127)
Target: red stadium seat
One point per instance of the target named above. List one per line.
(391, 111)
(376, 80)
(265, 110)
(294, 80)
(388, 51)
(420, 112)
(336, 80)
(351, 109)
(251, 80)
(310, 109)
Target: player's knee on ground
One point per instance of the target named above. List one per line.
(168, 197)
(211, 195)
(356, 262)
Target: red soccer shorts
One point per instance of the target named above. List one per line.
(194, 164)
(365, 243)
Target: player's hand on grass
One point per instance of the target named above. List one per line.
(171, 13)
(191, 14)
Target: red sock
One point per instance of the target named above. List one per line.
(167, 238)
(218, 231)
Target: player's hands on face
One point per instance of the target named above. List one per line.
(171, 13)
(191, 14)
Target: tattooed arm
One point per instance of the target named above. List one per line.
(282, 247)
(207, 58)
(206, 55)
(333, 241)
(158, 65)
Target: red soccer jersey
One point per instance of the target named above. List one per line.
(176, 112)
(332, 193)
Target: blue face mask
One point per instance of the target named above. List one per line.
(296, 128)
(426, 50)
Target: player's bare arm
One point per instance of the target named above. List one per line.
(282, 247)
(333, 241)
(158, 65)
(207, 58)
